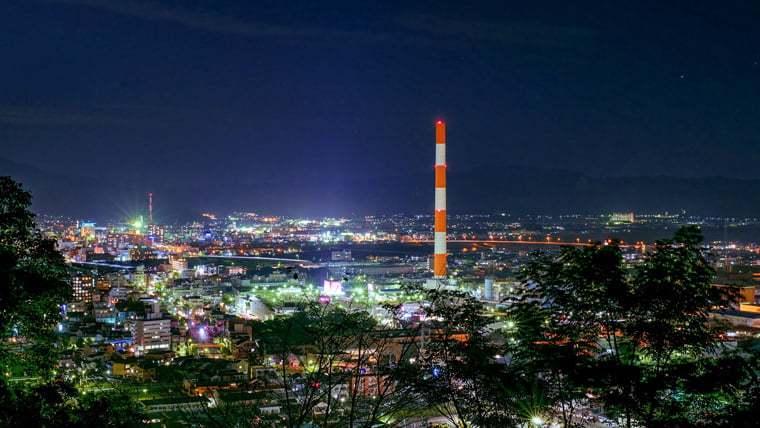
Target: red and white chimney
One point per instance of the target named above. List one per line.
(439, 252)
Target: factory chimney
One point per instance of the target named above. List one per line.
(439, 252)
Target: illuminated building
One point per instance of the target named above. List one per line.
(118, 293)
(142, 252)
(116, 241)
(370, 384)
(138, 278)
(103, 283)
(233, 270)
(332, 288)
(156, 233)
(179, 264)
(87, 230)
(622, 218)
(104, 312)
(82, 286)
(150, 335)
(488, 288)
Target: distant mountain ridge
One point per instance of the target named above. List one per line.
(556, 192)
(516, 190)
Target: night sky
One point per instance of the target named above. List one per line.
(218, 96)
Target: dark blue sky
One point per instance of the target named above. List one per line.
(293, 93)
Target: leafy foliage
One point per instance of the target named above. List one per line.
(334, 348)
(638, 337)
(33, 282)
(59, 404)
(455, 371)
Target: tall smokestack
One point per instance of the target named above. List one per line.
(439, 252)
(150, 208)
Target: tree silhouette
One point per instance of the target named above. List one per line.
(33, 284)
(636, 338)
(331, 364)
(455, 372)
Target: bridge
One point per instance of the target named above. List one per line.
(111, 265)
(301, 262)
(576, 243)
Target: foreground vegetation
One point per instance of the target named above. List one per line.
(587, 331)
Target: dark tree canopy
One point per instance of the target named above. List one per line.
(455, 372)
(33, 278)
(637, 336)
(59, 404)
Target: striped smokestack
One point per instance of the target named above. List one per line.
(439, 252)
